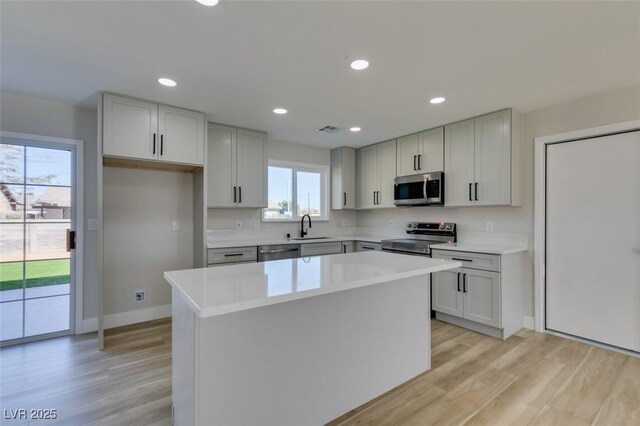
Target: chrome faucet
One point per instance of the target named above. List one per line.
(302, 231)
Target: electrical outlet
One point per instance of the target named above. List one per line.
(92, 225)
(390, 223)
(344, 222)
(489, 227)
(139, 296)
(238, 224)
(176, 225)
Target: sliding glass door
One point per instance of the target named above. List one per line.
(36, 242)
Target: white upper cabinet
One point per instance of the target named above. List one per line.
(181, 135)
(459, 163)
(421, 152)
(343, 178)
(252, 168)
(377, 169)
(407, 162)
(221, 170)
(130, 128)
(431, 155)
(482, 160)
(237, 168)
(141, 130)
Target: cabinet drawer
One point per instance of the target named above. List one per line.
(470, 260)
(365, 246)
(319, 249)
(232, 255)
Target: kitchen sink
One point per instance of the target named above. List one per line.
(310, 238)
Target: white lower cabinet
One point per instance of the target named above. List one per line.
(366, 246)
(488, 301)
(348, 246)
(226, 256)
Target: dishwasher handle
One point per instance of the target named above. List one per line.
(279, 251)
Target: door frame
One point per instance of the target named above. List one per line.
(77, 146)
(540, 208)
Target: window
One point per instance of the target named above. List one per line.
(296, 189)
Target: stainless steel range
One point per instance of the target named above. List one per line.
(420, 237)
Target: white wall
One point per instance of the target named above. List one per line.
(225, 219)
(140, 207)
(606, 108)
(26, 114)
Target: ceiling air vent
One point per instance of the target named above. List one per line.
(329, 129)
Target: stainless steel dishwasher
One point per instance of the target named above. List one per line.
(278, 251)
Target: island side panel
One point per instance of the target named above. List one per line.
(312, 360)
(183, 360)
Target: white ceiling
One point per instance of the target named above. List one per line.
(239, 60)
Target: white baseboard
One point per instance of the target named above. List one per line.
(126, 318)
(528, 322)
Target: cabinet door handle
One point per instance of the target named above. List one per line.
(414, 162)
(377, 197)
(344, 198)
(239, 194)
(476, 191)
(233, 254)
(419, 161)
(374, 197)
(459, 281)
(461, 259)
(470, 199)
(154, 144)
(161, 145)
(234, 195)
(464, 283)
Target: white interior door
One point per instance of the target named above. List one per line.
(593, 239)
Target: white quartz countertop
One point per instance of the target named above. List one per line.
(480, 248)
(234, 288)
(224, 243)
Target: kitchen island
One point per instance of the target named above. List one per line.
(298, 341)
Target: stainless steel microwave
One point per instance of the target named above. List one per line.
(419, 190)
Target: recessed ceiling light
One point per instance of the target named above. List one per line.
(355, 129)
(360, 64)
(208, 2)
(167, 82)
(280, 111)
(437, 100)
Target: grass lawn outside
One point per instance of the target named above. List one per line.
(39, 273)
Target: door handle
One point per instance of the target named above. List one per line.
(239, 194)
(459, 281)
(464, 283)
(154, 144)
(71, 240)
(377, 197)
(476, 191)
(344, 200)
(235, 200)
(161, 145)
(414, 162)
(470, 199)
(419, 161)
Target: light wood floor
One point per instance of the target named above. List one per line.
(531, 378)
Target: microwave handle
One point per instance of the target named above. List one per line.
(424, 187)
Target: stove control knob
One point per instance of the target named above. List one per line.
(448, 227)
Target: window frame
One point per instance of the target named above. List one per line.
(302, 167)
